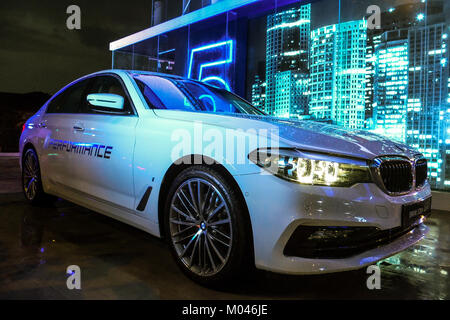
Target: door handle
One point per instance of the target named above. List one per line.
(78, 128)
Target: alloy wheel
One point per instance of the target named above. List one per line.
(30, 177)
(201, 227)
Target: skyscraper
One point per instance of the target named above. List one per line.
(446, 167)
(337, 67)
(428, 109)
(291, 94)
(259, 93)
(287, 48)
(390, 95)
(400, 17)
(300, 88)
(322, 61)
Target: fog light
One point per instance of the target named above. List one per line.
(328, 242)
(327, 234)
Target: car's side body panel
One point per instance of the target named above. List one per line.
(99, 156)
(159, 144)
(92, 167)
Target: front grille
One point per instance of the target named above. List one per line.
(421, 172)
(396, 175)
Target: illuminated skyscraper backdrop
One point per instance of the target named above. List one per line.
(393, 80)
(317, 60)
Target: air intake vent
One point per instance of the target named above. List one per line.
(396, 175)
(421, 172)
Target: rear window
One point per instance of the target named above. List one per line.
(69, 100)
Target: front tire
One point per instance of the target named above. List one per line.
(206, 227)
(31, 180)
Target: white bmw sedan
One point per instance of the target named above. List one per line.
(225, 184)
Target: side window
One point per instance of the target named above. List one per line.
(105, 84)
(69, 100)
(56, 105)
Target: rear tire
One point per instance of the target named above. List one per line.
(206, 228)
(31, 180)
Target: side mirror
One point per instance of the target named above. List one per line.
(106, 100)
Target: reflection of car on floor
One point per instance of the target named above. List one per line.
(328, 199)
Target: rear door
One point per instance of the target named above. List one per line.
(103, 162)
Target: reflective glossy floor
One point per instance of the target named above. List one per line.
(120, 262)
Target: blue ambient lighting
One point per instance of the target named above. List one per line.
(227, 49)
(207, 96)
(165, 52)
(218, 79)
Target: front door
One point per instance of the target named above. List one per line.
(103, 162)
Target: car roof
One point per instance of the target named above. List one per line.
(136, 72)
(122, 72)
(163, 75)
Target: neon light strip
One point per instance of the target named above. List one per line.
(219, 80)
(203, 96)
(229, 60)
(210, 46)
(289, 25)
(167, 51)
(179, 22)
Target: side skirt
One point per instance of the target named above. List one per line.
(114, 211)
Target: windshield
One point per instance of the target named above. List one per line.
(188, 95)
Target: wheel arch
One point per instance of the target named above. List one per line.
(28, 145)
(186, 162)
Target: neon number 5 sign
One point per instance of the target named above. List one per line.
(210, 63)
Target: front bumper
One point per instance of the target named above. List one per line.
(278, 207)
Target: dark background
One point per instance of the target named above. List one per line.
(39, 55)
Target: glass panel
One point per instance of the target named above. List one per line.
(279, 78)
(145, 55)
(172, 52)
(374, 65)
(69, 100)
(163, 93)
(123, 58)
(406, 87)
(187, 95)
(211, 52)
(388, 73)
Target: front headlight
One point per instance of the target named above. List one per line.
(312, 168)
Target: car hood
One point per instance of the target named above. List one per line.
(306, 134)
